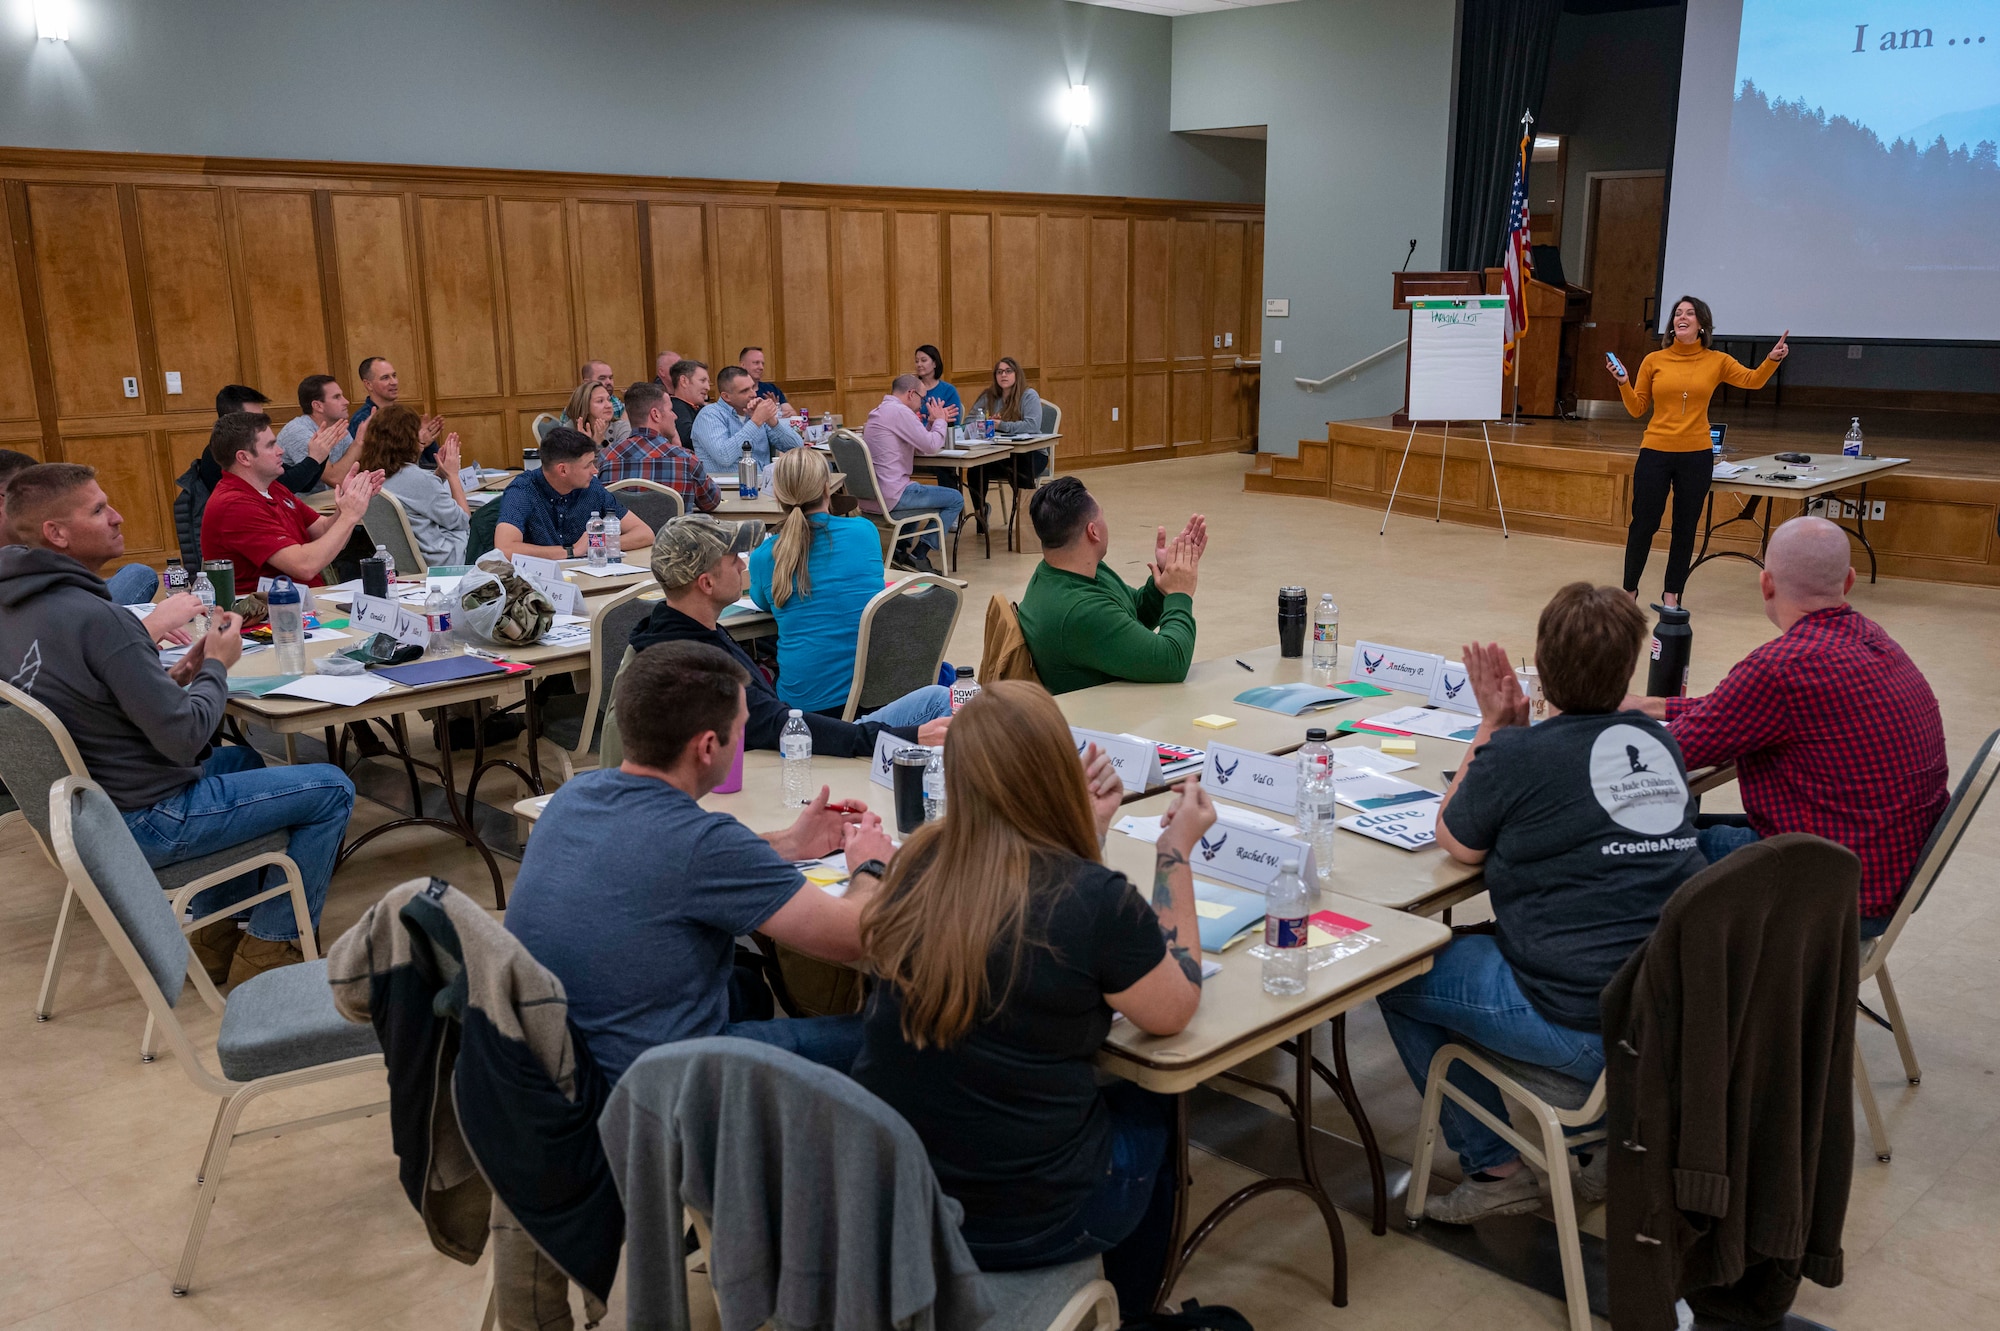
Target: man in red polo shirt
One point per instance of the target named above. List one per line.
(263, 528)
(1832, 727)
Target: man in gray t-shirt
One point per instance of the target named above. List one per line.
(1584, 826)
(312, 433)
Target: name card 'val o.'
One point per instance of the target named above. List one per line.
(1251, 778)
(1397, 667)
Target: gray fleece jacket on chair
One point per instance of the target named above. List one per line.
(821, 1201)
(65, 643)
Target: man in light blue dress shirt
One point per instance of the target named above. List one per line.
(740, 417)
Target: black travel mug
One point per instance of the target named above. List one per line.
(374, 577)
(1291, 621)
(1673, 648)
(907, 780)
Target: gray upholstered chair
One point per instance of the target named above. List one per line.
(655, 504)
(1973, 787)
(905, 629)
(855, 463)
(388, 525)
(36, 751)
(575, 725)
(1016, 483)
(539, 427)
(279, 1029)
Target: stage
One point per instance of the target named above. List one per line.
(1572, 478)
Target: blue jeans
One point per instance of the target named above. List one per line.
(238, 799)
(1471, 994)
(1718, 839)
(133, 585)
(943, 500)
(914, 708)
(831, 1042)
(1128, 1216)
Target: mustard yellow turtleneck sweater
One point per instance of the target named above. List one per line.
(1677, 382)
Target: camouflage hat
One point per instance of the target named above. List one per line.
(688, 547)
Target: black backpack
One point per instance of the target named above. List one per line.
(1192, 1317)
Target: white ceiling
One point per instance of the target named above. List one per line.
(1176, 7)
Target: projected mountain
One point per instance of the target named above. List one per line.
(1810, 184)
(1961, 128)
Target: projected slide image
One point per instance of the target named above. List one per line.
(1861, 193)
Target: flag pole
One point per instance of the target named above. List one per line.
(1527, 129)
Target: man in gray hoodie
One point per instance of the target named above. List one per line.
(143, 731)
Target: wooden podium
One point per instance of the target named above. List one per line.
(1547, 353)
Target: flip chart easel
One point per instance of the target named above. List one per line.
(1457, 349)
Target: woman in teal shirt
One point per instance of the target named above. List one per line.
(816, 575)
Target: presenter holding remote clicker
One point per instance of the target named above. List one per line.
(1677, 382)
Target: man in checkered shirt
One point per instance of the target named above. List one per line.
(654, 451)
(1831, 726)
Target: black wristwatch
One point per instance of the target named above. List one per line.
(873, 868)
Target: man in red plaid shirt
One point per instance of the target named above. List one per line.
(654, 452)
(1831, 726)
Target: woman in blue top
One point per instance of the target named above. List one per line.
(930, 374)
(816, 576)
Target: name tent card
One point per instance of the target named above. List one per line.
(1397, 667)
(1252, 778)
(546, 576)
(375, 614)
(1249, 857)
(1453, 689)
(1137, 761)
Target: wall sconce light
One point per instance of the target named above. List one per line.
(1076, 105)
(52, 20)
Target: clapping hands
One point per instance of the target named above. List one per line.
(1501, 702)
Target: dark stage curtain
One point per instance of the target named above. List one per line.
(1503, 67)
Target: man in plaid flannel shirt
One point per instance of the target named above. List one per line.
(654, 452)
(1832, 728)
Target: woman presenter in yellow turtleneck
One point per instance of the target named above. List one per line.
(1676, 382)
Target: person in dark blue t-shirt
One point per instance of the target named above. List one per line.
(546, 512)
(641, 929)
(1584, 825)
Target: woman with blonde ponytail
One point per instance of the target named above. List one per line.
(1003, 945)
(816, 574)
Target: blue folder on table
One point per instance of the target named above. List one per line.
(440, 671)
(1240, 909)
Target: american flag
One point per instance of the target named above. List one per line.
(1515, 270)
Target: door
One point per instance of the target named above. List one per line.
(1622, 270)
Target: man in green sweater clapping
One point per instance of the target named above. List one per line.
(1083, 623)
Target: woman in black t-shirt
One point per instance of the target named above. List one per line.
(1004, 946)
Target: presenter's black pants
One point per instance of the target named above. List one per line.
(1688, 475)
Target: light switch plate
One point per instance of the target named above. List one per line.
(173, 381)
(131, 386)
(1278, 348)
(1114, 413)
(1229, 339)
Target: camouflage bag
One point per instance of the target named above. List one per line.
(501, 607)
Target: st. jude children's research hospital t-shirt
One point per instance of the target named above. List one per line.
(1587, 822)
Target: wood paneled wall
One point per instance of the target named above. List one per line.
(487, 289)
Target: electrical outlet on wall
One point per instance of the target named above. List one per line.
(1218, 341)
(1853, 351)
(131, 386)
(1877, 510)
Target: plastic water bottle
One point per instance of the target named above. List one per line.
(1851, 446)
(746, 474)
(614, 549)
(795, 748)
(204, 592)
(1326, 640)
(1285, 912)
(593, 536)
(1318, 814)
(437, 618)
(934, 786)
(388, 563)
(288, 635)
(963, 689)
(176, 576)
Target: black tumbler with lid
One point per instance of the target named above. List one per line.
(1291, 621)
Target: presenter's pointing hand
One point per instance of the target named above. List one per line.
(1780, 351)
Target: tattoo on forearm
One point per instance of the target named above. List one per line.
(1163, 899)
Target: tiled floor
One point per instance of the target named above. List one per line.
(98, 1151)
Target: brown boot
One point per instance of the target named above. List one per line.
(214, 945)
(256, 955)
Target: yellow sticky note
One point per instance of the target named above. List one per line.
(824, 876)
(1214, 721)
(1210, 910)
(1408, 746)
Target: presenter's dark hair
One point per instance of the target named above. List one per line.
(672, 693)
(1060, 511)
(1586, 645)
(1704, 320)
(238, 397)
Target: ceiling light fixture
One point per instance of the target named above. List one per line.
(1076, 105)
(52, 20)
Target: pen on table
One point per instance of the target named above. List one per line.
(1239, 661)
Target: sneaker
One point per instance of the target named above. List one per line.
(1475, 1199)
(920, 561)
(256, 955)
(1589, 1183)
(214, 946)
